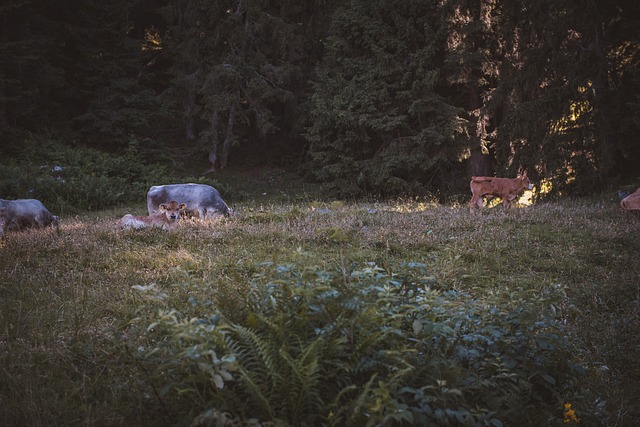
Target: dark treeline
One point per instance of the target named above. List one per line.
(367, 96)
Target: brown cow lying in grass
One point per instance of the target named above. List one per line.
(166, 219)
(631, 202)
(505, 188)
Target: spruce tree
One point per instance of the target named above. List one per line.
(30, 74)
(105, 59)
(240, 71)
(379, 123)
(566, 90)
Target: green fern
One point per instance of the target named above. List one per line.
(258, 372)
(303, 397)
(368, 347)
(279, 379)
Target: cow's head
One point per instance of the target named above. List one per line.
(172, 210)
(526, 184)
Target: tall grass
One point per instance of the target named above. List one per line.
(71, 314)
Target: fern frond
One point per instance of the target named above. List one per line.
(259, 370)
(303, 396)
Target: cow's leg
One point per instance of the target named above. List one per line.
(39, 221)
(506, 200)
(476, 201)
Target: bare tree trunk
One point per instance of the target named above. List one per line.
(4, 119)
(609, 150)
(213, 149)
(3, 107)
(228, 138)
(479, 162)
(190, 107)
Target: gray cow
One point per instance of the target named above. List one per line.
(24, 213)
(201, 199)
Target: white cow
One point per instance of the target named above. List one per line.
(24, 213)
(167, 218)
(200, 198)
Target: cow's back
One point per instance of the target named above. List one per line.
(497, 186)
(481, 185)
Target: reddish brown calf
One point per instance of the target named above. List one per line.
(166, 219)
(505, 188)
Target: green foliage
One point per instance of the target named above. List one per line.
(69, 179)
(379, 124)
(565, 117)
(369, 347)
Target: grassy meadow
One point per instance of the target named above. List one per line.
(79, 304)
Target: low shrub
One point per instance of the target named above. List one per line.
(363, 346)
(71, 179)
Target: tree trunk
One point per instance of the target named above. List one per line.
(228, 138)
(3, 107)
(609, 151)
(479, 163)
(190, 108)
(213, 149)
(4, 119)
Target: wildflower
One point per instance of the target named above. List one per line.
(570, 415)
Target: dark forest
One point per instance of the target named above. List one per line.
(367, 97)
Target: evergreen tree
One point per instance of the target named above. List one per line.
(562, 90)
(546, 86)
(239, 70)
(72, 65)
(471, 75)
(29, 73)
(379, 123)
(105, 58)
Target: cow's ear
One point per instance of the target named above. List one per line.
(163, 207)
(182, 206)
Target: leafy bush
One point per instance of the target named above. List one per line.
(365, 347)
(68, 179)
